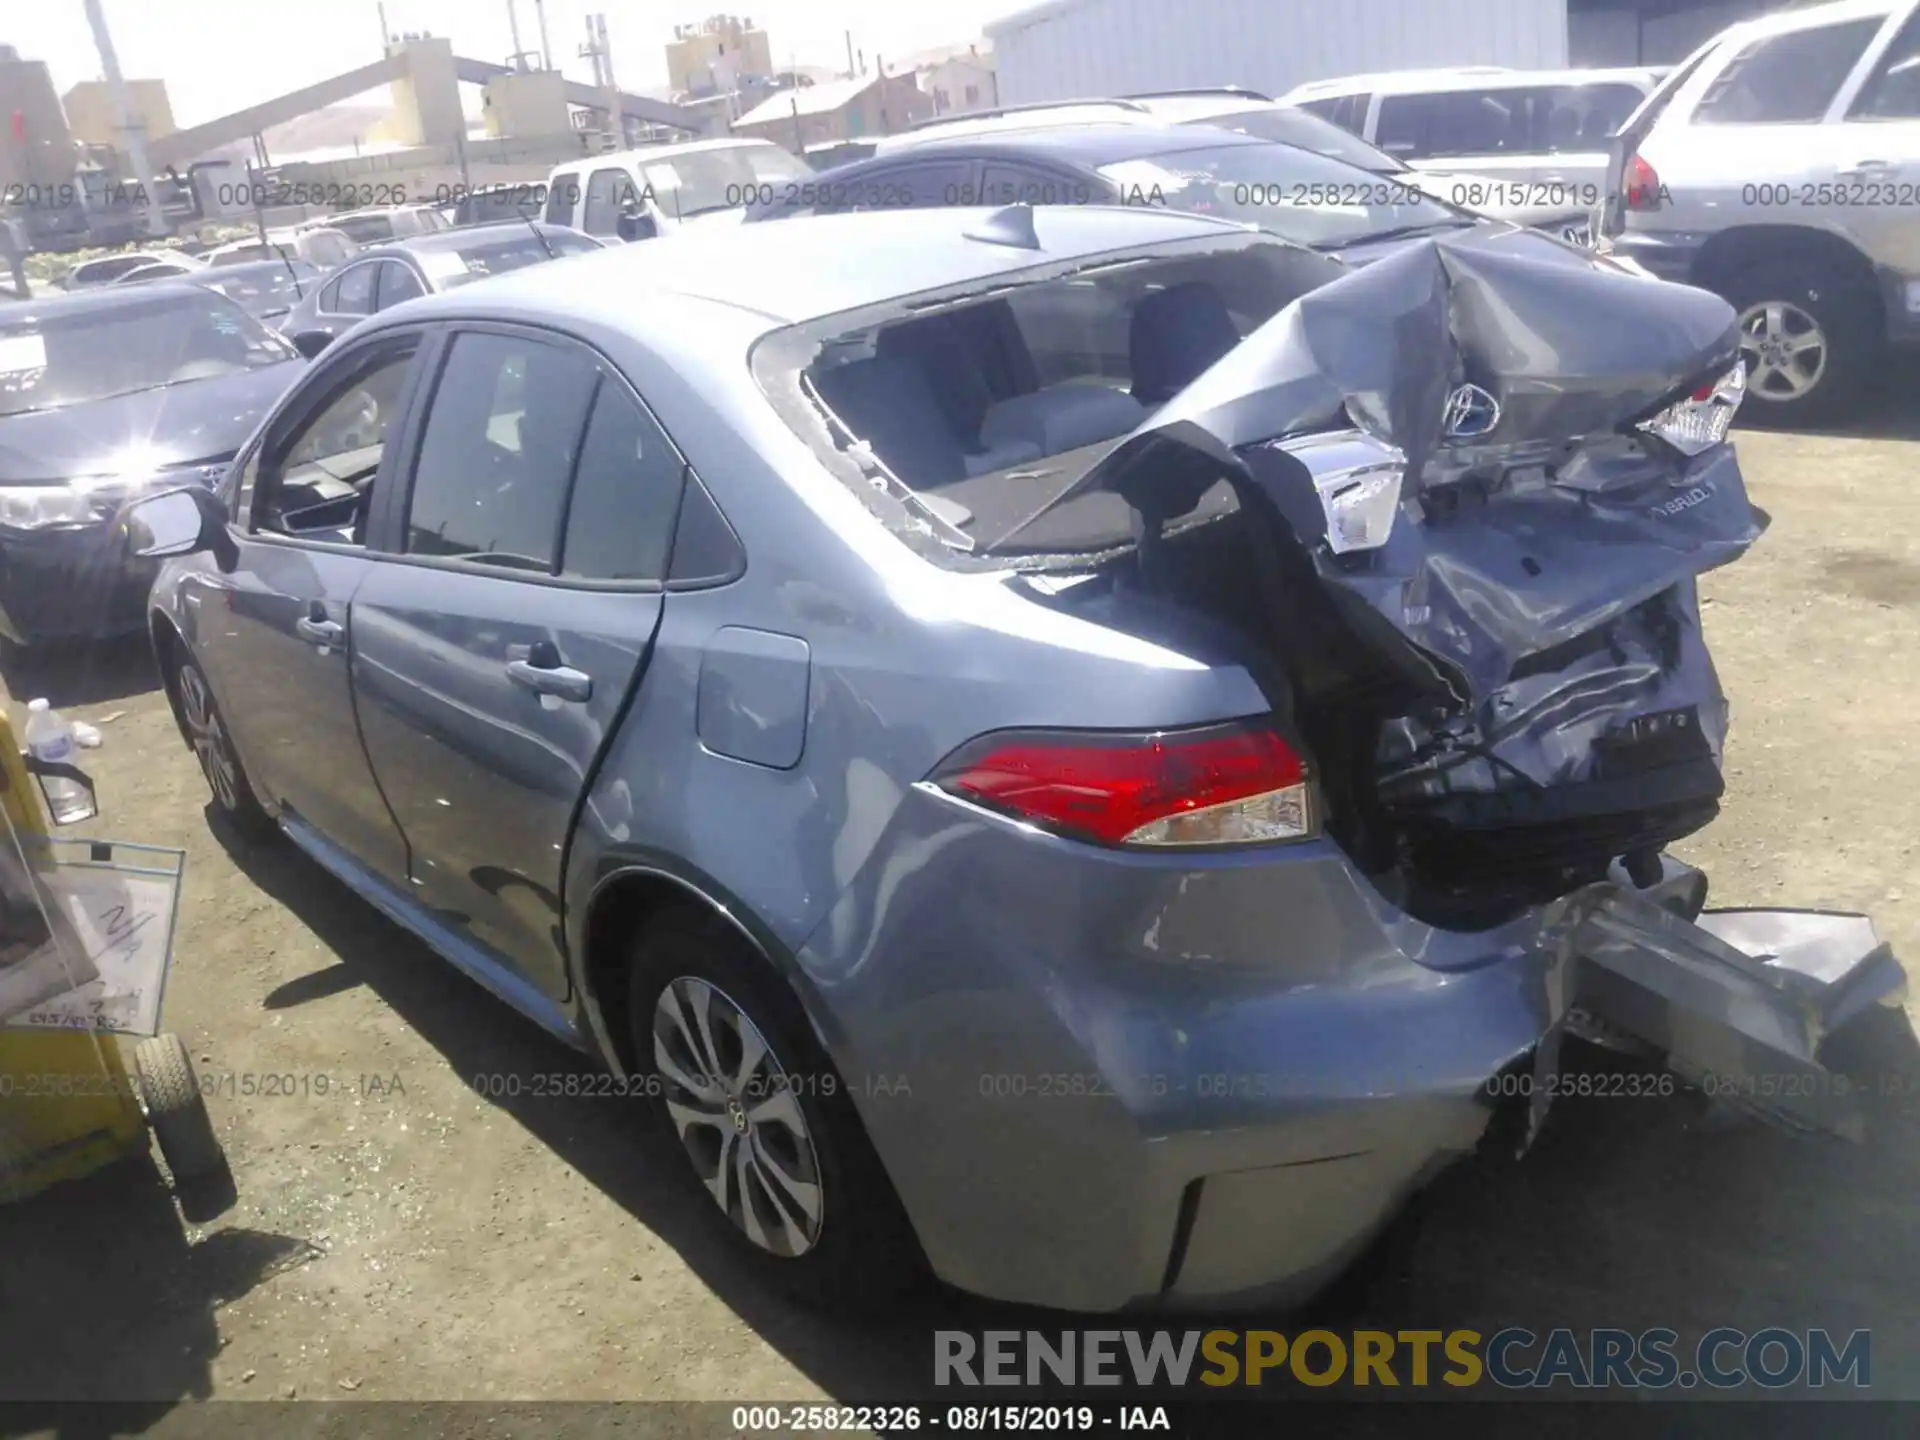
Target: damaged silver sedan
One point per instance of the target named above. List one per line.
(1082, 746)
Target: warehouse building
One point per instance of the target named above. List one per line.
(1062, 49)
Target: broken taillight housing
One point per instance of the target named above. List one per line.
(1641, 184)
(1237, 784)
(1700, 421)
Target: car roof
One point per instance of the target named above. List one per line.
(1811, 17)
(213, 274)
(1490, 77)
(466, 237)
(814, 266)
(1091, 145)
(371, 210)
(72, 302)
(646, 154)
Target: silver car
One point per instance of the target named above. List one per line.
(1091, 747)
(1779, 166)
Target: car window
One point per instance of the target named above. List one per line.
(626, 495)
(1289, 126)
(607, 190)
(398, 283)
(1351, 114)
(562, 196)
(1323, 108)
(1457, 122)
(1894, 91)
(151, 338)
(1002, 184)
(315, 481)
(1785, 79)
(329, 249)
(1305, 197)
(1579, 117)
(352, 293)
(490, 483)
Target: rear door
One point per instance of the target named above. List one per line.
(273, 632)
(497, 644)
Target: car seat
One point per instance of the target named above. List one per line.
(1175, 336)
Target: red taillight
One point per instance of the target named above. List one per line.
(1224, 785)
(1642, 185)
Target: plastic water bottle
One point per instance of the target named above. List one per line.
(50, 739)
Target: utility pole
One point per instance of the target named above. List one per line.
(132, 132)
(546, 50)
(850, 71)
(519, 61)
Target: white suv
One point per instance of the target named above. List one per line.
(1539, 136)
(1779, 166)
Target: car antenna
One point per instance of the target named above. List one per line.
(1012, 226)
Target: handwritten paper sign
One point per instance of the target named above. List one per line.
(124, 927)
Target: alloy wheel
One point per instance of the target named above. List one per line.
(738, 1117)
(209, 738)
(1785, 350)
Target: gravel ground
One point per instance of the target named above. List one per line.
(416, 1240)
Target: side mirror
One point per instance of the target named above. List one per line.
(175, 522)
(635, 225)
(311, 342)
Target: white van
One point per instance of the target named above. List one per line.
(668, 186)
(1540, 135)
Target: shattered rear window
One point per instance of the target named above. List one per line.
(976, 411)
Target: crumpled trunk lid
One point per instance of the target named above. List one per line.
(1523, 647)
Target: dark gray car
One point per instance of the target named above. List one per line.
(104, 396)
(388, 275)
(1084, 746)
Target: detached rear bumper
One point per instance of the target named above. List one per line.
(1132, 1083)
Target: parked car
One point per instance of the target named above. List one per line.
(846, 697)
(105, 269)
(157, 270)
(639, 194)
(1540, 137)
(1253, 114)
(387, 275)
(266, 289)
(1777, 167)
(103, 396)
(385, 223)
(1291, 192)
(319, 245)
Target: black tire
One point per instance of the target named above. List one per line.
(176, 1110)
(863, 1255)
(206, 734)
(1847, 314)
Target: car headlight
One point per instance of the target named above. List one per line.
(44, 507)
(91, 499)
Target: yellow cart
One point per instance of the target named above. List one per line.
(86, 932)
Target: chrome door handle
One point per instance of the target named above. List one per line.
(560, 681)
(325, 633)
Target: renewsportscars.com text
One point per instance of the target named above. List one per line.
(1513, 1358)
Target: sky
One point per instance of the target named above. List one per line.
(220, 55)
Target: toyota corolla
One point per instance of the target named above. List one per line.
(1073, 747)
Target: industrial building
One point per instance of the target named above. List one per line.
(1064, 49)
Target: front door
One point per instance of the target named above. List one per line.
(496, 648)
(274, 634)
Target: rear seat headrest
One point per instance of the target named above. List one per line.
(1176, 335)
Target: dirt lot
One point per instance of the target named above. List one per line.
(432, 1243)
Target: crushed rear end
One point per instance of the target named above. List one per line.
(1455, 505)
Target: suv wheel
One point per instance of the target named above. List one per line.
(762, 1123)
(207, 734)
(1810, 341)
